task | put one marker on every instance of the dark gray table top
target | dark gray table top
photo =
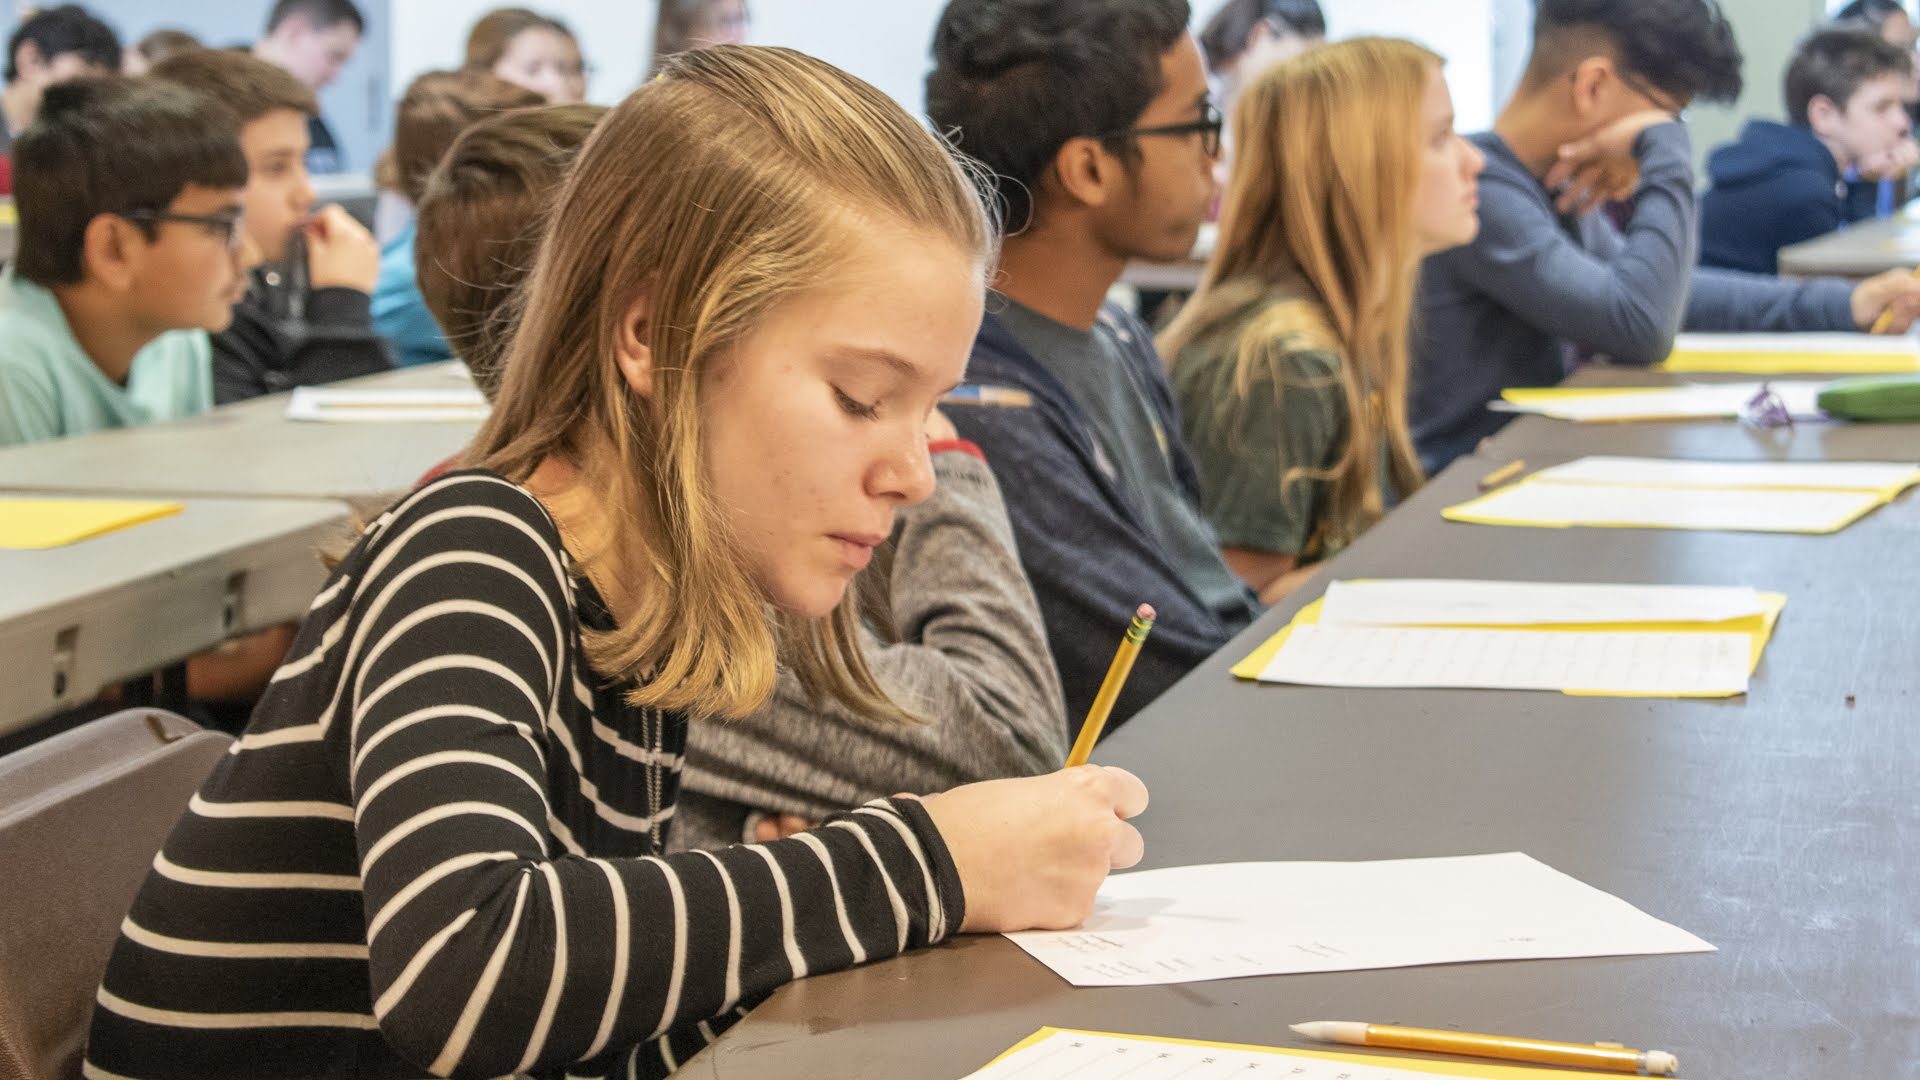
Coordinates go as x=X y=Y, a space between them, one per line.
x=1859 y=250
x=1777 y=826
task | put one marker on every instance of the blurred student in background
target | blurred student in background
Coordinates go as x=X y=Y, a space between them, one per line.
x=529 y=49
x=685 y=25
x=313 y=40
x=139 y=58
x=49 y=47
x=1245 y=37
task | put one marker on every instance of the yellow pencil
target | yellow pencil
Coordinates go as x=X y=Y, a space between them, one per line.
x=1502 y=474
x=1886 y=317
x=1096 y=721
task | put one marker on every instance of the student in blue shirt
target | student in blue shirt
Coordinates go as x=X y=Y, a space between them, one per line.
x=130 y=250
x=1780 y=184
x=436 y=108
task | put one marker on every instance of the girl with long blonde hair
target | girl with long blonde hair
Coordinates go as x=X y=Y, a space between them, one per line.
x=437 y=847
x=1290 y=361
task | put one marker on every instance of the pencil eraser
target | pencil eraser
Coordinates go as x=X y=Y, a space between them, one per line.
x=1146 y=612
x=1661 y=1063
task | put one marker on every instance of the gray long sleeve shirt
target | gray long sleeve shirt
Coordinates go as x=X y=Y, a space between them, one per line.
x=1536 y=288
x=972 y=659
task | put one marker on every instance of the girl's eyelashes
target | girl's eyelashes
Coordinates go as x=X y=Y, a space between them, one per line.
x=855 y=408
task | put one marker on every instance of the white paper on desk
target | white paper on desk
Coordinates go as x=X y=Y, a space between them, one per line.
x=1087 y=1055
x=1229 y=920
x=1817 y=343
x=1689 y=402
x=1756 y=510
x=390 y=406
x=1433 y=602
x=1665 y=472
x=1600 y=662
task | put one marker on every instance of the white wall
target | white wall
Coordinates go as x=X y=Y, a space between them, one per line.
x=885 y=42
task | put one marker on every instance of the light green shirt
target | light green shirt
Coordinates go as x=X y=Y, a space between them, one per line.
x=50 y=388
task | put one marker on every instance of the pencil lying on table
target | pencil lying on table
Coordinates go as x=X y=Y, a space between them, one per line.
x=1609 y=1056
x=1096 y=721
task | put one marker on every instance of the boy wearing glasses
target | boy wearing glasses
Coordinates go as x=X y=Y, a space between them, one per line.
x=131 y=248
x=1596 y=118
x=307 y=317
x=1094 y=114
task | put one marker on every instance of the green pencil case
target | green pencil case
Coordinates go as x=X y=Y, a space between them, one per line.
x=1873 y=397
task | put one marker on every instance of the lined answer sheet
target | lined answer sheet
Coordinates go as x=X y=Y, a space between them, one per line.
x=1620 y=505
x=1883 y=476
x=1227 y=920
x=1598 y=662
x=1436 y=602
x=1058 y=1054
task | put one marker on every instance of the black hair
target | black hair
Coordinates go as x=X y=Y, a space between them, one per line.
x=110 y=145
x=1225 y=36
x=1013 y=80
x=1834 y=64
x=1870 y=13
x=320 y=14
x=58 y=31
x=1684 y=48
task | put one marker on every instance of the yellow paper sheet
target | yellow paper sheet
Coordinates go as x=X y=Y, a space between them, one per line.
x=1788 y=363
x=1758 y=627
x=1437 y=1067
x=1549 y=505
x=33 y=524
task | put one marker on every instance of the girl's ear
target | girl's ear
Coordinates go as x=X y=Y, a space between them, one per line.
x=631 y=350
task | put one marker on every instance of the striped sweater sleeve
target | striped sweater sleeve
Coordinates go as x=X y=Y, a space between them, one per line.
x=494 y=946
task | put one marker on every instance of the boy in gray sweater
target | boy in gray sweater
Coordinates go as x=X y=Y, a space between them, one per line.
x=1548 y=279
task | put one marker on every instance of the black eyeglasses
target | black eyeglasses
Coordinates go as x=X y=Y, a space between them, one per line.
x=224 y=226
x=1208 y=127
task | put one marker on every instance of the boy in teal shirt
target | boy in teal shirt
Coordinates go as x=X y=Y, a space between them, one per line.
x=130 y=251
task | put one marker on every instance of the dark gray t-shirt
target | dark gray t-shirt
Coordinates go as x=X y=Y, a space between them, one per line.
x=1130 y=443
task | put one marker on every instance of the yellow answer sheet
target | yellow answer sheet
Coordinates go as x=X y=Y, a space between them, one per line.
x=1483 y=1070
x=1758 y=627
x=35 y=524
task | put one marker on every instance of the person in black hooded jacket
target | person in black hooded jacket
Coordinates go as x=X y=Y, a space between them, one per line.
x=1780 y=184
x=305 y=319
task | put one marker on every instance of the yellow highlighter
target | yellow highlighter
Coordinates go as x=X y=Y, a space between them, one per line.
x=1610 y=1056
x=1096 y=721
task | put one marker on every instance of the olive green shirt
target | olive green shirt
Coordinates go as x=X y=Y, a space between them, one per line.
x=1245 y=446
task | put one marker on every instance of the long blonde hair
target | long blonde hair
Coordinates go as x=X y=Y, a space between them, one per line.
x=1327 y=160
x=733 y=182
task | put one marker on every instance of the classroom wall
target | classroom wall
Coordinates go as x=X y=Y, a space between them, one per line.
x=1767 y=31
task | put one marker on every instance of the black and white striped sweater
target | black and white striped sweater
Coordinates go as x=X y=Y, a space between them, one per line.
x=436 y=848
